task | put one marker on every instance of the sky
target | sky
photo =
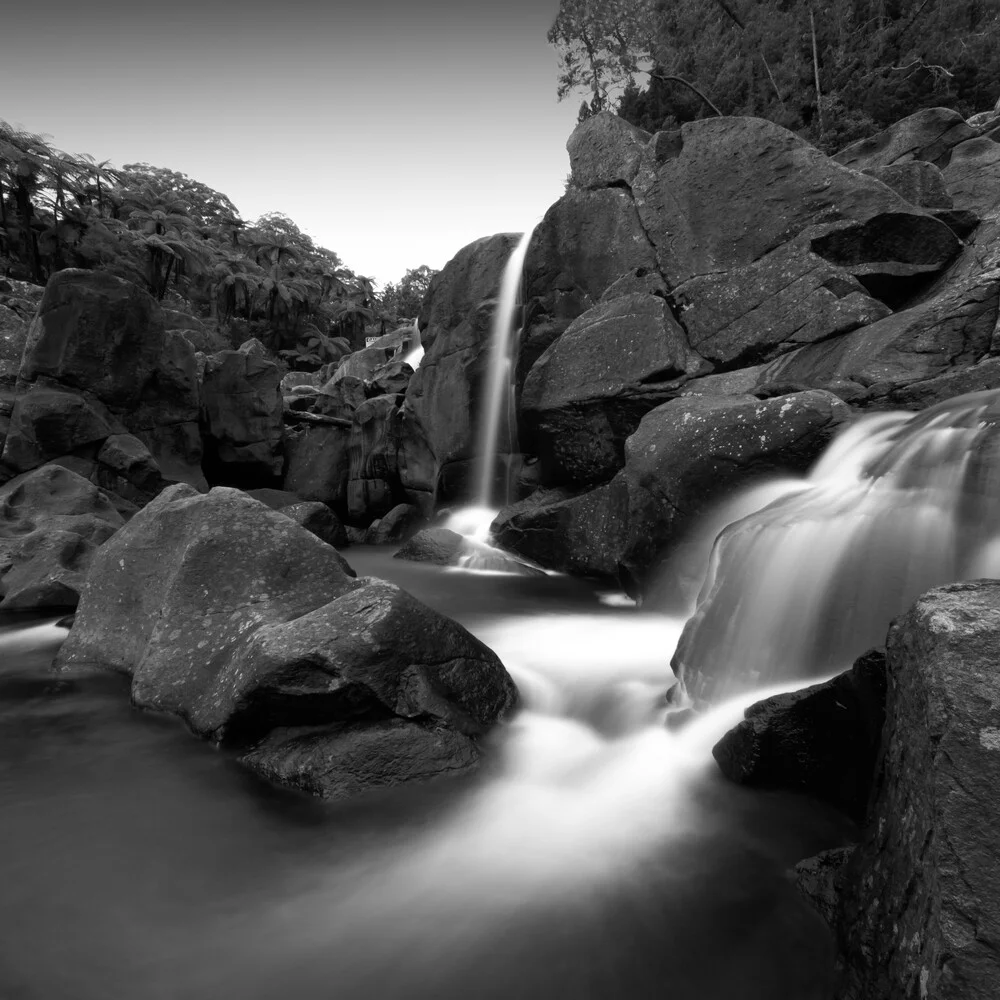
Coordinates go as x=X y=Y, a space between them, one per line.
x=391 y=132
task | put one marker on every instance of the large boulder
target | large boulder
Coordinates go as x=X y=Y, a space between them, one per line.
x=723 y=192
x=930 y=135
x=242 y=416
x=97 y=351
x=920 y=905
x=583 y=534
x=244 y=623
x=319 y=519
x=973 y=176
x=588 y=391
x=820 y=740
x=52 y=522
x=318 y=462
x=691 y=453
x=605 y=151
x=373 y=484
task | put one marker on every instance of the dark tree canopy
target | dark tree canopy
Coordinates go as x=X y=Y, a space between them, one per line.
x=877 y=60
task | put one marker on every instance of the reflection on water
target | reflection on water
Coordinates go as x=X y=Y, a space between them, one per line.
x=596 y=855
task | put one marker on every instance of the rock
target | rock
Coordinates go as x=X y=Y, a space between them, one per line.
x=52 y=522
x=947 y=331
x=399 y=524
x=361 y=364
x=921 y=395
x=929 y=135
x=589 y=390
x=295 y=380
x=739 y=382
x=605 y=151
x=723 y=192
x=921 y=900
x=437 y=426
x=579 y=534
x=319 y=519
x=241 y=416
x=439 y=546
x=95 y=333
x=49 y=422
x=345 y=759
x=973 y=176
x=373 y=483
x=13 y=337
x=275 y=499
x=242 y=622
x=689 y=454
x=789 y=297
x=201 y=335
x=318 y=464
x=820 y=879
x=126 y=467
x=821 y=740
x=340 y=398
x=919 y=182
x=390 y=379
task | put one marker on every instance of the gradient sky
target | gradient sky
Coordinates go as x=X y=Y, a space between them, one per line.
x=392 y=133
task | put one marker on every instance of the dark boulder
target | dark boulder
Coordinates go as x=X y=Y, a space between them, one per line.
x=318 y=463
x=438 y=546
x=319 y=519
x=920 y=903
x=52 y=522
x=241 y=416
x=373 y=483
x=919 y=182
x=973 y=176
x=399 y=524
x=589 y=390
x=821 y=740
x=242 y=622
x=605 y=151
x=691 y=453
x=930 y=134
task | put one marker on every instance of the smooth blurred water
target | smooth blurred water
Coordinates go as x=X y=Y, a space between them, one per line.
x=596 y=855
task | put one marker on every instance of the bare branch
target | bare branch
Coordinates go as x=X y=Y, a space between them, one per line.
x=686 y=83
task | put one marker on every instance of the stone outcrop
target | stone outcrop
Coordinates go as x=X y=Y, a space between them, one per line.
x=241 y=414
x=98 y=361
x=919 y=906
x=589 y=389
x=319 y=519
x=691 y=453
x=821 y=740
x=52 y=522
x=438 y=422
x=250 y=628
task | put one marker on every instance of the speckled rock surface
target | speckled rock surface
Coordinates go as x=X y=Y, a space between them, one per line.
x=921 y=903
x=691 y=453
x=52 y=522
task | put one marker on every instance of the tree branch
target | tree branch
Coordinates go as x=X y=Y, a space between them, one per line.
x=690 y=86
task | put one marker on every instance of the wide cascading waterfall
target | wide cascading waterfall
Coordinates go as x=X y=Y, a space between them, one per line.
x=497 y=416
x=900 y=503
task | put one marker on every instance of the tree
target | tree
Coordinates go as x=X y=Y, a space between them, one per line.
x=832 y=72
x=403 y=299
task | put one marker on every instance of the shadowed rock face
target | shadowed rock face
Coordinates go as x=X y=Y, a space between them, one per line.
x=52 y=522
x=241 y=621
x=920 y=910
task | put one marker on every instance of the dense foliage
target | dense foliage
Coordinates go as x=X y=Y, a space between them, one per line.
x=186 y=244
x=659 y=62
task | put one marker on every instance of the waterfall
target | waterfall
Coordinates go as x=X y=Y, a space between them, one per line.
x=898 y=504
x=499 y=397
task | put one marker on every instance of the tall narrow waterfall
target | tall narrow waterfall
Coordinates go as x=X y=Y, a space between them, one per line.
x=900 y=503
x=497 y=415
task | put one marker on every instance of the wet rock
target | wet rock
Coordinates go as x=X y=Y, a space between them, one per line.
x=373 y=481
x=439 y=546
x=820 y=879
x=399 y=524
x=52 y=522
x=241 y=416
x=605 y=151
x=392 y=378
x=821 y=740
x=339 y=761
x=588 y=391
x=242 y=622
x=319 y=519
x=921 y=900
x=920 y=395
x=361 y=364
x=689 y=454
x=580 y=534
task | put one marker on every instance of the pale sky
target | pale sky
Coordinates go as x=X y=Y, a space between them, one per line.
x=392 y=133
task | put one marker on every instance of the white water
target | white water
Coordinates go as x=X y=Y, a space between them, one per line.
x=898 y=504
x=416 y=353
x=497 y=414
